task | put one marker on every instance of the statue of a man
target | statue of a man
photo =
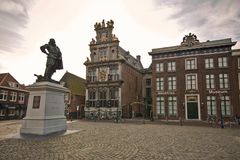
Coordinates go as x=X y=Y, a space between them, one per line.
x=54 y=58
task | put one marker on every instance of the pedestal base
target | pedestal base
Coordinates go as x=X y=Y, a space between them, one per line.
x=45 y=112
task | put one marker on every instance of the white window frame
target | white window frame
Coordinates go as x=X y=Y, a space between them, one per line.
x=4 y=94
x=211 y=105
x=160 y=84
x=222 y=62
x=186 y=81
x=210 y=81
x=238 y=62
x=172 y=83
x=159 y=67
x=225 y=106
x=21 y=97
x=171 y=66
x=160 y=105
x=223 y=81
x=172 y=105
x=239 y=80
x=13 y=97
x=190 y=65
x=209 y=63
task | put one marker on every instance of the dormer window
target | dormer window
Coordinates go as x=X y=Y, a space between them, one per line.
x=13 y=84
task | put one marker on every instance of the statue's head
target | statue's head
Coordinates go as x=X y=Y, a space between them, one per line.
x=51 y=41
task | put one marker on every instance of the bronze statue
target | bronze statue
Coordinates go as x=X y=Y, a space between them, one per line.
x=54 y=60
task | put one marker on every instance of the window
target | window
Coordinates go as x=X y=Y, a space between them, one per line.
x=148 y=82
x=103 y=54
x=209 y=63
x=238 y=63
x=191 y=63
x=2 y=112
x=239 y=80
x=160 y=84
x=211 y=105
x=223 y=81
x=222 y=62
x=160 y=105
x=113 y=93
x=3 y=95
x=210 y=81
x=148 y=92
x=102 y=93
x=171 y=66
x=225 y=106
x=21 y=97
x=172 y=105
x=92 y=94
x=172 y=83
x=91 y=98
x=113 y=74
x=159 y=67
x=92 y=75
x=191 y=81
x=11 y=112
x=13 y=96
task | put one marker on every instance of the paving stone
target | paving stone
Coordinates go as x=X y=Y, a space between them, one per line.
x=98 y=141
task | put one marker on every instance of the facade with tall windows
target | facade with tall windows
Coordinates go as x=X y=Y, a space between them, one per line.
x=113 y=75
x=195 y=80
x=13 y=97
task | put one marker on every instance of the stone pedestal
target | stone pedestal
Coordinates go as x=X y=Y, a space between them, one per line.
x=45 y=111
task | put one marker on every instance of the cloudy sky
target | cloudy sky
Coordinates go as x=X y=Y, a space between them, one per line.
x=140 y=25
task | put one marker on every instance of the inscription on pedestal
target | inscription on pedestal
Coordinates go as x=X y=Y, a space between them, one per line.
x=36 y=102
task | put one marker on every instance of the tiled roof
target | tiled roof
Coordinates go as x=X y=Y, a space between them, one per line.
x=74 y=83
x=2 y=77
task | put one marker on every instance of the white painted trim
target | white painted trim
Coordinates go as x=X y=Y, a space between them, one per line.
x=199 y=106
x=186 y=80
x=191 y=55
x=191 y=58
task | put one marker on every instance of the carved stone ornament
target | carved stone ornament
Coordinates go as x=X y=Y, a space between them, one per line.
x=102 y=74
x=189 y=40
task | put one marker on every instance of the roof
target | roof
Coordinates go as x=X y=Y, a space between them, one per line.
x=236 y=52
x=136 y=63
x=5 y=78
x=207 y=44
x=74 y=83
x=147 y=70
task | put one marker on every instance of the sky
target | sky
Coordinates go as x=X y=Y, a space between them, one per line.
x=140 y=25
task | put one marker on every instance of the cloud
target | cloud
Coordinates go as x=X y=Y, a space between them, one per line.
x=13 y=18
x=211 y=19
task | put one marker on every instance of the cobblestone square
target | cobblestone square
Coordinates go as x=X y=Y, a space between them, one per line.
x=106 y=140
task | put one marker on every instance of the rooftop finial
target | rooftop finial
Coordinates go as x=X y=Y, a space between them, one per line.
x=189 y=40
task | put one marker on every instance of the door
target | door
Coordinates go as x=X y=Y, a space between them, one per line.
x=192 y=110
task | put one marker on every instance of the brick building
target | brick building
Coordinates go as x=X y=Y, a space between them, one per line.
x=196 y=79
x=76 y=96
x=114 y=77
x=13 y=97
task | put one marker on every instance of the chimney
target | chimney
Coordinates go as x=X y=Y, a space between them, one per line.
x=139 y=58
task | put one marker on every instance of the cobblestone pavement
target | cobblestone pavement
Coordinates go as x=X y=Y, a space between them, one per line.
x=105 y=140
x=9 y=128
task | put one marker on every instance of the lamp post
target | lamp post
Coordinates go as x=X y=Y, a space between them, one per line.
x=117 y=113
x=77 y=111
x=221 y=117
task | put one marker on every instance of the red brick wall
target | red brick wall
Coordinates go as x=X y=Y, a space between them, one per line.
x=180 y=73
x=131 y=90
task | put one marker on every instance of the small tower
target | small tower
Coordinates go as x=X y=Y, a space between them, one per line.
x=104 y=32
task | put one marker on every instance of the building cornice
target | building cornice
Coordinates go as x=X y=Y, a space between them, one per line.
x=15 y=89
x=203 y=45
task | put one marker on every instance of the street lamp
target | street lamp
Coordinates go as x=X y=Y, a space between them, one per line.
x=221 y=117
